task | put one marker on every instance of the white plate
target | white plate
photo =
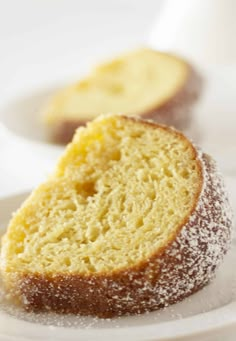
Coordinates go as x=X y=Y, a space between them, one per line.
x=22 y=115
x=209 y=314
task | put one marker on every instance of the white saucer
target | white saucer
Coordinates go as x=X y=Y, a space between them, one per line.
x=209 y=314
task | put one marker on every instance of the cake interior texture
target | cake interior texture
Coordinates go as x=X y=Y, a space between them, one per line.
x=120 y=191
x=131 y=84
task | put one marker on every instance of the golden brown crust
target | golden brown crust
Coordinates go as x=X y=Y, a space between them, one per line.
x=175 y=112
x=184 y=266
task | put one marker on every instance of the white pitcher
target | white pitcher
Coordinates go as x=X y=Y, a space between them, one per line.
x=203 y=31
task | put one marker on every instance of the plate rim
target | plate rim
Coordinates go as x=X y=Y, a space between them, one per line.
x=206 y=324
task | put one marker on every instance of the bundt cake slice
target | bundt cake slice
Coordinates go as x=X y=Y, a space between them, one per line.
x=134 y=218
x=145 y=82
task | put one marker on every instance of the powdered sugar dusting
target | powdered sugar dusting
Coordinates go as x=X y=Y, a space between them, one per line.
x=215 y=295
x=187 y=265
x=206 y=237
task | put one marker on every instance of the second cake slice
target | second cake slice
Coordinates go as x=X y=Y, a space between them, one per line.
x=145 y=82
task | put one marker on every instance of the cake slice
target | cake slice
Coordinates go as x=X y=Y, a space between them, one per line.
x=134 y=218
x=144 y=82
